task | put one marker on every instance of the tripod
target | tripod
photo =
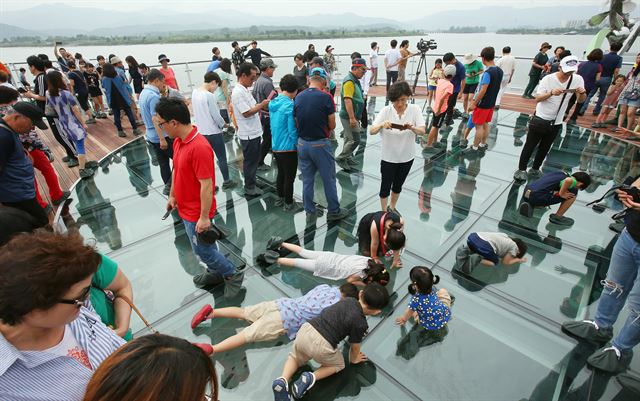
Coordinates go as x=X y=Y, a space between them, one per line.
x=422 y=63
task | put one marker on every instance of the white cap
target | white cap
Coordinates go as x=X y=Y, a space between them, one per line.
x=569 y=64
x=449 y=70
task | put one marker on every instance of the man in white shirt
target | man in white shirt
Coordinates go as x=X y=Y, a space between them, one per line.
x=507 y=64
x=552 y=99
x=249 y=127
x=391 y=59
x=373 y=62
x=210 y=123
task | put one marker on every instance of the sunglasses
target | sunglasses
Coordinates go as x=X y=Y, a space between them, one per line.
x=81 y=299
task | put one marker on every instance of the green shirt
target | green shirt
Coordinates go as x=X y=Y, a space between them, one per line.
x=473 y=68
x=101 y=303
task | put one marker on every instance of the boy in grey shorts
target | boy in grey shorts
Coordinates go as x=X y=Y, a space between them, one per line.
x=318 y=339
x=271 y=319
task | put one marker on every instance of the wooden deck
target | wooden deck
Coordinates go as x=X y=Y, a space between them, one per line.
x=103 y=138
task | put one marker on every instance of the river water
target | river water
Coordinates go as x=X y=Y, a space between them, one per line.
x=524 y=46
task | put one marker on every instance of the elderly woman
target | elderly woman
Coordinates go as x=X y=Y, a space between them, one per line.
x=47 y=334
x=398 y=125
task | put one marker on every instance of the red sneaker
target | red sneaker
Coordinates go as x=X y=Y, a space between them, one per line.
x=201 y=316
x=206 y=348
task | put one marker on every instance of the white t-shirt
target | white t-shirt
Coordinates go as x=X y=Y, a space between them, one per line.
x=501 y=243
x=335 y=266
x=399 y=146
x=70 y=347
x=373 y=57
x=392 y=56
x=550 y=109
x=243 y=101
x=507 y=64
x=206 y=113
x=364 y=82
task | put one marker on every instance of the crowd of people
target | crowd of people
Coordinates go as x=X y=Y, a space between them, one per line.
x=65 y=309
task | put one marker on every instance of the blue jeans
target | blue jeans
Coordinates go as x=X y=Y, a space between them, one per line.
x=618 y=288
x=208 y=254
x=603 y=86
x=128 y=112
x=217 y=144
x=316 y=156
x=251 y=154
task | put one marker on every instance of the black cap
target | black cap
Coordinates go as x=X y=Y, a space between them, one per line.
x=32 y=112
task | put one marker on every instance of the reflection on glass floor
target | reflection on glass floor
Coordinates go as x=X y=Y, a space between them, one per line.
x=504 y=342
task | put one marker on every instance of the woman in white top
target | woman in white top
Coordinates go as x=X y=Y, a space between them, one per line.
x=356 y=269
x=398 y=124
x=223 y=92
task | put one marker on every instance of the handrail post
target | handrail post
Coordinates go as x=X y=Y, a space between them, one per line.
x=188 y=71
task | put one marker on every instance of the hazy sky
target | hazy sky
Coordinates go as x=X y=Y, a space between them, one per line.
x=410 y=9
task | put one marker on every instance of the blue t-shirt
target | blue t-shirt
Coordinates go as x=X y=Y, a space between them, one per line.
x=312 y=109
x=297 y=311
x=588 y=71
x=149 y=98
x=492 y=77
x=16 y=171
x=432 y=313
x=461 y=74
x=610 y=62
x=214 y=65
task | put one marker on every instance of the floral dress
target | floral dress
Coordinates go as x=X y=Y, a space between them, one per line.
x=432 y=313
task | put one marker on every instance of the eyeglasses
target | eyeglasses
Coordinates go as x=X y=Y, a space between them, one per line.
x=80 y=301
x=162 y=123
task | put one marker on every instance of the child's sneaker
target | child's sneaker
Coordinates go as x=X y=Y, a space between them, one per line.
x=526 y=209
x=560 y=220
x=280 y=390
x=303 y=384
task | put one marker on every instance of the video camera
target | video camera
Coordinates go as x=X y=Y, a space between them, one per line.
x=426 y=45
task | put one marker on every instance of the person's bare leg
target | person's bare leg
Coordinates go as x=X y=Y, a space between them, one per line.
x=564 y=206
x=289 y=262
x=289 y=369
x=232 y=312
x=324 y=372
x=631 y=118
x=292 y=247
x=477 y=139
x=233 y=342
x=467 y=131
x=433 y=135
x=622 y=115
x=82 y=159
x=485 y=135
x=383 y=204
x=394 y=199
x=465 y=102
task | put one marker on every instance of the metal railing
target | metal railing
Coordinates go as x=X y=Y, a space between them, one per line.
x=186 y=71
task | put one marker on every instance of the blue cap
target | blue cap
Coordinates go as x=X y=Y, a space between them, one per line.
x=319 y=72
x=359 y=62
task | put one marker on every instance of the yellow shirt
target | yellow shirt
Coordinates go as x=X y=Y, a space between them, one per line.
x=348 y=89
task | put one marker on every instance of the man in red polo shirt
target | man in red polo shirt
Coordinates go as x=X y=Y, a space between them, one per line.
x=192 y=188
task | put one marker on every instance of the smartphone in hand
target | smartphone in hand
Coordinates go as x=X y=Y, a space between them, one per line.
x=399 y=126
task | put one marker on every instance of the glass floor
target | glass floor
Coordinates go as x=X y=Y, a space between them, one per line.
x=504 y=341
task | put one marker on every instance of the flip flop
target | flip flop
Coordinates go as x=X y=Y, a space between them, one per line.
x=201 y=316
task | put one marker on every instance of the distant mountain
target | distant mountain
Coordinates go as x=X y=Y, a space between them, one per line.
x=10 y=31
x=63 y=19
x=500 y=17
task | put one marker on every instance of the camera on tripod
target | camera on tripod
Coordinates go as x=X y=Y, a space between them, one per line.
x=426 y=45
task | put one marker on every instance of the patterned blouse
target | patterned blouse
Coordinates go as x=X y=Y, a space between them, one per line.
x=432 y=313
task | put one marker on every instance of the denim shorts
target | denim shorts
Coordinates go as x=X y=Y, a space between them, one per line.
x=630 y=103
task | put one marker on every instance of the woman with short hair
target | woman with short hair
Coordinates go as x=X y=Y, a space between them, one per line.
x=50 y=342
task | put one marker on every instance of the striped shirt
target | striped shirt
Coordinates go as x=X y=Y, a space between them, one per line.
x=40 y=375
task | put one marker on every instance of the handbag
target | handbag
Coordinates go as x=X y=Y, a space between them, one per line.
x=634 y=93
x=135 y=309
